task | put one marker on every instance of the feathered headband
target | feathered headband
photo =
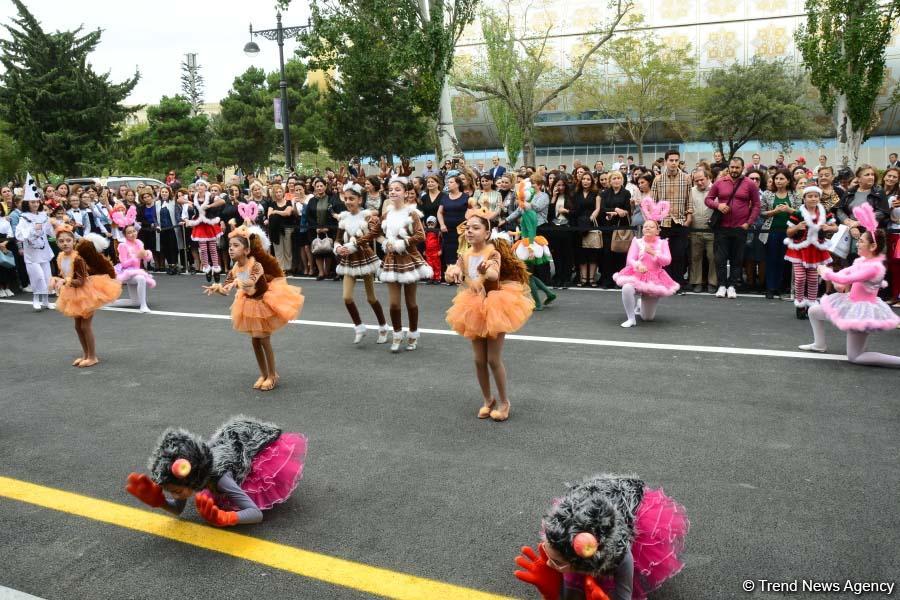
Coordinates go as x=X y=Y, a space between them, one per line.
x=248 y=211
x=123 y=220
x=655 y=211
x=477 y=212
x=866 y=217
x=354 y=187
x=63 y=228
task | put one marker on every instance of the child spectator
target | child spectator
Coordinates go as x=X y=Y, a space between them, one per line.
x=433 y=249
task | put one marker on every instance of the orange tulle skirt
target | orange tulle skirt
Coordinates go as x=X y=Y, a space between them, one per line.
x=97 y=291
x=478 y=315
x=260 y=317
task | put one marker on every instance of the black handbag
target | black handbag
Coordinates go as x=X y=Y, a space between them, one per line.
x=715 y=219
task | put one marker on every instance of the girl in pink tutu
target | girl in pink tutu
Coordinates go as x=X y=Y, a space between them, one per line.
x=610 y=536
x=131 y=256
x=644 y=273
x=494 y=301
x=859 y=311
x=246 y=467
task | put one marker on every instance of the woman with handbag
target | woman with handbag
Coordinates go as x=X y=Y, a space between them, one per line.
x=586 y=210
x=281 y=218
x=615 y=208
x=320 y=217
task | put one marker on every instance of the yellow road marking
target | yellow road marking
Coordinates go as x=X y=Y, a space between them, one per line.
x=336 y=571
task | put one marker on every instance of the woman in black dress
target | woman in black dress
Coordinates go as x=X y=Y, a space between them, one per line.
x=615 y=206
x=586 y=211
x=450 y=215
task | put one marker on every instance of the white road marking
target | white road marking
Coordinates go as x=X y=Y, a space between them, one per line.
x=526 y=338
x=11 y=594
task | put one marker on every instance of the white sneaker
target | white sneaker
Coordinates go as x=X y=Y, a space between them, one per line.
x=812 y=348
x=27 y=289
x=720 y=293
x=629 y=323
x=382 y=335
x=732 y=293
x=360 y=333
x=5 y=293
x=49 y=306
x=37 y=306
x=145 y=309
x=396 y=340
x=412 y=339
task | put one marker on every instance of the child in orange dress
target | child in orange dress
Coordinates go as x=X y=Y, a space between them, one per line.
x=494 y=302
x=87 y=281
x=264 y=302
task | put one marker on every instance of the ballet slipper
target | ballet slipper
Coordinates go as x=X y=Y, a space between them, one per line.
x=500 y=414
x=485 y=411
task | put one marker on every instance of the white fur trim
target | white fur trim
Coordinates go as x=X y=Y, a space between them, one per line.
x=99 y=242
x=812 y=231
x=805 y=303
x=369 y=269
x=798 y=261
x=412 y=335
x=263 y=238
x=398 y=246
x=422 y=272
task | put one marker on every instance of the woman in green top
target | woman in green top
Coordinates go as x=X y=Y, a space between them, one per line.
x=777 y=207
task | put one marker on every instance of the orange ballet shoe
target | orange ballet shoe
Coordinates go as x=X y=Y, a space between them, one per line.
x=500 y=414
x=485 y=411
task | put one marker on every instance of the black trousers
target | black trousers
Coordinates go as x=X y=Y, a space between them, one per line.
x=679 y=242
x=729 y=246
x=168 y=245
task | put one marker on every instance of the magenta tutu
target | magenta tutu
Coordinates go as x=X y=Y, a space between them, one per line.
x=859 y=315
x=275 y=472
x=652 y=283
x=661 y=525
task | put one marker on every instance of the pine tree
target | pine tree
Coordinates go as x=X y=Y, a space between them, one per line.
x=60 y=111
x=244 y=133
x=174 y=137
x=192 y=83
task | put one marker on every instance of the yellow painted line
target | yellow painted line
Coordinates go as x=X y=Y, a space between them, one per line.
x=336 y=571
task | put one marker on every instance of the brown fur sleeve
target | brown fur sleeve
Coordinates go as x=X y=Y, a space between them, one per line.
x=418 y=232
x=97 y=264
x=268 y=262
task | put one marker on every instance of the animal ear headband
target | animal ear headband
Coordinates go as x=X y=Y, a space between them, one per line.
x=355 y=188
x=181 y=468
x=248 y=211
x=123 y=221
x=866 y=217
x=656 y=211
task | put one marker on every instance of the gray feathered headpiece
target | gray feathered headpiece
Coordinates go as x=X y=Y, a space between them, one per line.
x=175 y=444
x=604 y=506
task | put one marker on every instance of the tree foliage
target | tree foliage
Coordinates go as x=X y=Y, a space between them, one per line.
x=843 y=44
x=761 y=101
x=12 y=163
x=192 y=83
x=244 y=133
x=61 y=112
x=304 y=109
x=500 y=47
x=174 y=139
x=656 y=85
x=535 y=81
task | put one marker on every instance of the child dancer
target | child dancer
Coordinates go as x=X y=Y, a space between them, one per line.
x=808 y=248
x=131 y=255
x=264 y=302
x=246 y=467
x=494 y=302
x=644 y=271
x=87 y=281
x=532 y=248
x=611 y=528
x=356 y=258
x=860 y=311
x=403 y=266
x=207 y=230
x=433 y=248
x=33 y=234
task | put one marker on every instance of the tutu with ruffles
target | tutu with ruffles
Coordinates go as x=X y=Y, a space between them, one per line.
x=204 y=232
x=810 y=256
x=97 y=291
x=260 y=317
x=274 y=473
x=858 y=315
x=655 y=282
x=478 y=315
x=131 y=274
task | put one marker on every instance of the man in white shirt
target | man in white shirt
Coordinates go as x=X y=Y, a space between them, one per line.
x=702 y=241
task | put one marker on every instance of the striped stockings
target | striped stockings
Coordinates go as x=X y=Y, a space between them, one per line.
x=806 y=285
x=209 y=252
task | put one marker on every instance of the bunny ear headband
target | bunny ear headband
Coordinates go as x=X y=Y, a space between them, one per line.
x=248 y=211
x=353 y=187
x=655 y=211
x=866 y=217
x=123 y=221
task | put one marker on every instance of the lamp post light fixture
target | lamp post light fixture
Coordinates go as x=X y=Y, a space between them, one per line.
x=251 y=49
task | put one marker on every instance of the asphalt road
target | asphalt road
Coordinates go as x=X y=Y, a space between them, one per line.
x=788 y=467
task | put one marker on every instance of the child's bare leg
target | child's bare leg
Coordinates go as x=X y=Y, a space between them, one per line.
x=495 y=361
x=479 y=347
x=81 y=341
x=260 y=355
x=91 y=346
x=272 y=376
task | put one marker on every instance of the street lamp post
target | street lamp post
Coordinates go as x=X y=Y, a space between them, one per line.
x=252 y=49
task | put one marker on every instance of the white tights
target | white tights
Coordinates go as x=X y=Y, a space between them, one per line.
x=856 y=343
x=137 y=295
x=648 y=304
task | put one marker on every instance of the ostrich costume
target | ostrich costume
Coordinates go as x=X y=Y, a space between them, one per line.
x=248 y=465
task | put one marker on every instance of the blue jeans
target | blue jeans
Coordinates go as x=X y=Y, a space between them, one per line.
x=775 y=250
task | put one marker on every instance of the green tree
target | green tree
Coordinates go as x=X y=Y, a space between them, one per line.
x=304 y=108
x=656 y=86
x=761 y=101
x=174 y=139
x=12 y=162
x=62 y=113
x=192 y=83
x=244 y=134
x=415 y=41
x=843 y=46
x=536 y=81
x=501 y=59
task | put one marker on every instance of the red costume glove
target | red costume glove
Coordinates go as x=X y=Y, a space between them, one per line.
x=546 y=579
x=213 y=515
x=592 y=590
x=144 y=489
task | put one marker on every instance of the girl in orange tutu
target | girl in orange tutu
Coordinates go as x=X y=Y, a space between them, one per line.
x=494 y=302
x=264 y=302
x=87 y=281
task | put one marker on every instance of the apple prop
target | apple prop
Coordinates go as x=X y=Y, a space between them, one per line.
x=181 y=468
x=585 y=545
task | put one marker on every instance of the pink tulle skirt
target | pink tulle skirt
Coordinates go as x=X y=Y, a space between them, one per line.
x=504 y=310
x=652 y=283
x=275 y=472
x=849 y=315
x=661 y=525
x=126 y=275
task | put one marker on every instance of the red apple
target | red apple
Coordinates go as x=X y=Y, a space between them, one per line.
x=181 y=468
x=585 y=544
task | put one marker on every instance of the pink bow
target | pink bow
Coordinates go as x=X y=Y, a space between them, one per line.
x=248 y=211
x=655 y=211
x=866 y=217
